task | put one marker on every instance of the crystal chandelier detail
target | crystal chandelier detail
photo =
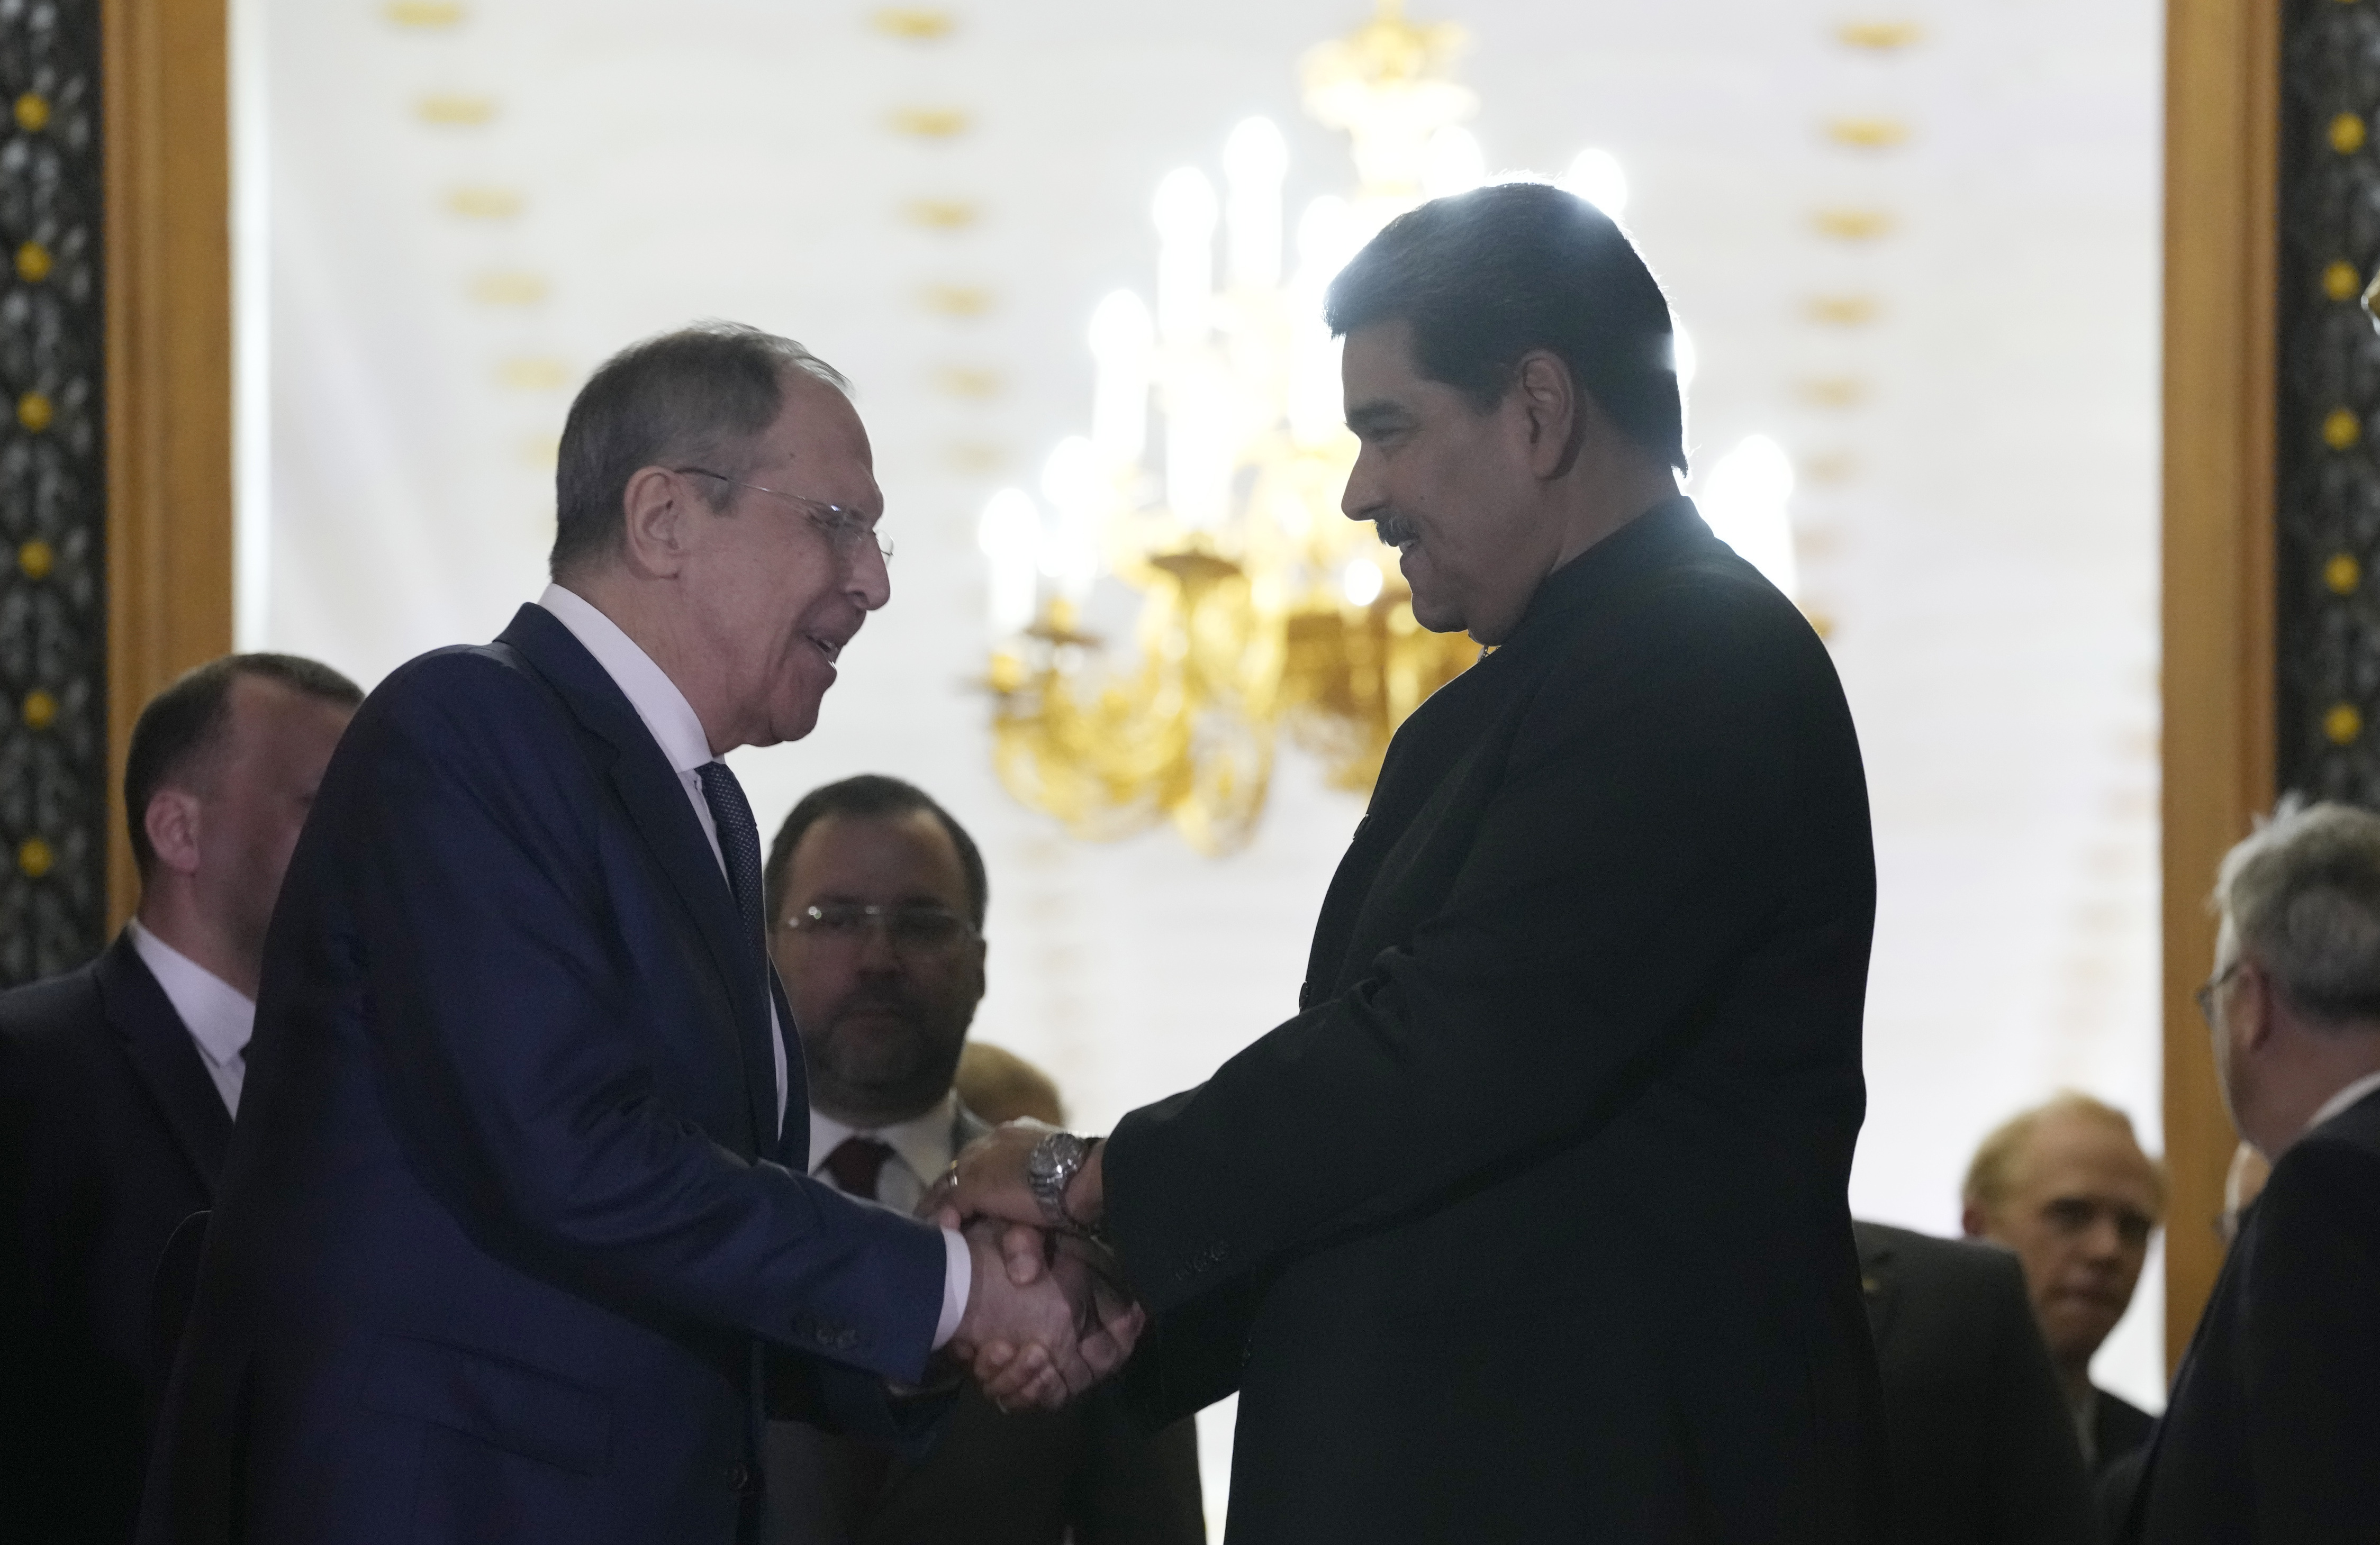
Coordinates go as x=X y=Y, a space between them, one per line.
x=1209 y=486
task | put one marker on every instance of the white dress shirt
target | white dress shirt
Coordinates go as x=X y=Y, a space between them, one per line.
x=677 y=729
x=219 y=1017
x=2347 y=1096
x=921 y=1151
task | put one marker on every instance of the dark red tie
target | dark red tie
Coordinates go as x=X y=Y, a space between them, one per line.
x=854 y=1163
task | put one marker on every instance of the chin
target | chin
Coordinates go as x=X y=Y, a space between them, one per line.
x=1436 y=613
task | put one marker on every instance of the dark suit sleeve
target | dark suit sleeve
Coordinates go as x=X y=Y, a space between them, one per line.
x=1134 y=1487
x=1619 y=875
x=2313 y=1347
x=491 y=1005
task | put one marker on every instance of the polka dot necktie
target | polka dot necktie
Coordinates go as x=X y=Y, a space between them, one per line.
x=739 y=844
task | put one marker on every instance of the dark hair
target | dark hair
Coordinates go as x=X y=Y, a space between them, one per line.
x=695 y=396
x=870 y=795
x=184 y=726
x=1486 y=277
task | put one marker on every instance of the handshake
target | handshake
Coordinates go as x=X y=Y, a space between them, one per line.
x=1048 y=1316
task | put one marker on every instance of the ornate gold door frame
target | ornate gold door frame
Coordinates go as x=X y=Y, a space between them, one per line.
x=2222 y=125
x=167 y=140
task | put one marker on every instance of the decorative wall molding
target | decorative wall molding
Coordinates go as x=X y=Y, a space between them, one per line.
x=2327 y=440
x=53 y=549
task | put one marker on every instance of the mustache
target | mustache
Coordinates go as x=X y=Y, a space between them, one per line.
x=878 y=998
x=1395 y=530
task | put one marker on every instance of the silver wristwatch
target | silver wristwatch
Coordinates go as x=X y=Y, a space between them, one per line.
x=1051 y=1168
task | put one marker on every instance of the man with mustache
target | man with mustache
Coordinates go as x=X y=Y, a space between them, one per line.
x=1530 y=1223
x=506 y=1246
x=877 y=896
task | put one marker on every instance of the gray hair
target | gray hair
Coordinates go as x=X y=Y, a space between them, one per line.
x=697 y=396
x=2301 y=894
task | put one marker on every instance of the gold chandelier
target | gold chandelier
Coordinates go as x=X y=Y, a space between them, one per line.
x=1261 y=611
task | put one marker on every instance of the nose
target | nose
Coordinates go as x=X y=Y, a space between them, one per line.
x=876 y=955
x=870 y=581
x=1363 y=498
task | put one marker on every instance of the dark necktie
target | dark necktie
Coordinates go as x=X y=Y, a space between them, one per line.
x=856 y=1164
x=739 y=844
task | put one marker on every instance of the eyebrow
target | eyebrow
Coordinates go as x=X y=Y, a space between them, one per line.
x=1380 y=412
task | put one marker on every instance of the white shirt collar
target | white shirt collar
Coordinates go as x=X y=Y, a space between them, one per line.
x=2347 y=1096
x=219 y=1017
x=668 y=717
x=922 y=1142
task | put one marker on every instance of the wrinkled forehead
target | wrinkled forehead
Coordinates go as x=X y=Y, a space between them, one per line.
x=818 y=441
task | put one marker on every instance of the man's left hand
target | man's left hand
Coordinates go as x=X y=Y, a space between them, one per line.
x=988 y=1181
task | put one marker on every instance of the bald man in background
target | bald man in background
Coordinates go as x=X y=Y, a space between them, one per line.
x=2066 y=1186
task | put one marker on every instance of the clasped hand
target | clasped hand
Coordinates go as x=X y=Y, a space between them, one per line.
x=1048 y=1316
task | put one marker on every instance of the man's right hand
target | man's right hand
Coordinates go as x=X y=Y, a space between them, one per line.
x=1040 y=1332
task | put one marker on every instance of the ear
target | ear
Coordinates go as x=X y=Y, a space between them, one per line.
x=172 y=825
x=656 y=507
x=2255 y=1011
x=1971 y=1222
x=1553 y=411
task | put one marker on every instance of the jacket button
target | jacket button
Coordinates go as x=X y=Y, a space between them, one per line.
x=740 y=1478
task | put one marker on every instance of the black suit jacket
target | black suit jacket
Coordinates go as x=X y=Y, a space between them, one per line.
x=1983 y=1446
x=2273 y=1435
x=2118 y=1428
x=502 y=1252
x=1087 y=1475
x=1532 y=1224
x=111 y=1133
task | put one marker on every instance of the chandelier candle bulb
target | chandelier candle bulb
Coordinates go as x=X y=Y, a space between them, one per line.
x=1073 y=483
x=1010 y=536
x=1597 y=178
x=1185 y=215
x=1123 y=337
x=1452 y=163
x=1255 y=160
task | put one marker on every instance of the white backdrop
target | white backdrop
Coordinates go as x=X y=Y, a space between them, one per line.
x=450 y=212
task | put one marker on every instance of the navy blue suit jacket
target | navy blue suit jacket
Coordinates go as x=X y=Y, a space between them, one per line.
x=502 y=1250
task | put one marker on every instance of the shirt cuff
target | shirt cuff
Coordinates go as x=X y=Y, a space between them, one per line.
x=958 y=1277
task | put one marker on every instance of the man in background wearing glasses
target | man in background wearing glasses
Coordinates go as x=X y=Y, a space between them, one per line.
x=508 y=1246
x=877 y=899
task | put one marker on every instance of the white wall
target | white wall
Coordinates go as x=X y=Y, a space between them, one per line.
x=1985 y=554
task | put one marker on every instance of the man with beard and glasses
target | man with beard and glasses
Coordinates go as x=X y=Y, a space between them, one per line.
x=1530 y=1223
x=876 y=901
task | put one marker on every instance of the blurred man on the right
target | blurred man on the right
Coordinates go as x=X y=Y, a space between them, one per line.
x=2065 y=1187
x=2272 y=1434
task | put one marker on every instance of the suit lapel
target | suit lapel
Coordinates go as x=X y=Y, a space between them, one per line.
x=656 y=804
x=1881 y=1291
x=167 y=1061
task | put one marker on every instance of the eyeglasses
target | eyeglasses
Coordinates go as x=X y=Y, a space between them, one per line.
x=2204 y=996
x=909 y=925
x=844 y=527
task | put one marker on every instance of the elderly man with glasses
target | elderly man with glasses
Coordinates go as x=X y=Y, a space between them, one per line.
x=877 y=897
x=507 y=1245
x=2272 y=1433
